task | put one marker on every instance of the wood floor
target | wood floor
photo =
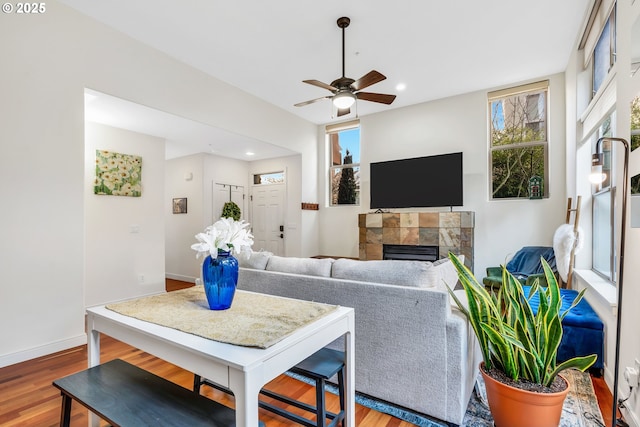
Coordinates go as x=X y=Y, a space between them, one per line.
x=27 y=397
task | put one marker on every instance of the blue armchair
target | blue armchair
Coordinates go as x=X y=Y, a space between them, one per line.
x=525 y=266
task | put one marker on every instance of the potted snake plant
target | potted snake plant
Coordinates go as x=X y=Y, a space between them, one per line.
x=519 y=347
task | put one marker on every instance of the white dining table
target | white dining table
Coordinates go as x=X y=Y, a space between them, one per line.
x=244 y=370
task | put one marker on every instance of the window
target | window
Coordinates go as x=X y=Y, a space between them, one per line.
x=604 y=210
x=518 y=140
x=344 y=163
x=604 y=53
x=635 y=123
x=268 y=178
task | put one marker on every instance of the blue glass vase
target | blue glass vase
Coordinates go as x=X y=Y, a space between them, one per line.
x=220 y=277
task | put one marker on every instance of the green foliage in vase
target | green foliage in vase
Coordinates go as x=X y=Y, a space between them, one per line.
x=511 y=337
x=231 y=210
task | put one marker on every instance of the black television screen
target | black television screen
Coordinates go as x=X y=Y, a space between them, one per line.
x=431 y=181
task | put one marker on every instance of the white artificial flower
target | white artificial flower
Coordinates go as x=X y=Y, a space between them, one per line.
x=226 y=235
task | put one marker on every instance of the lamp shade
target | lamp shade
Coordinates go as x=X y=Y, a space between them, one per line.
x=597 y=176
x=344 y=100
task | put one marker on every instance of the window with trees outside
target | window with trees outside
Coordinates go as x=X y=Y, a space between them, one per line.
x=518 y=140
x=344 y=166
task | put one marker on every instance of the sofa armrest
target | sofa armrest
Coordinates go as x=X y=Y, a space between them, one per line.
x=543 y=280
x=494 y=271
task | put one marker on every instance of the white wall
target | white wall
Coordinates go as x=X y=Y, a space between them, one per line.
x=449 y=125
x=180 y=259
x=116 y=257
x=48 y=61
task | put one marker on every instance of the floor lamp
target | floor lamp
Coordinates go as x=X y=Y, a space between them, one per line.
x=597 y=177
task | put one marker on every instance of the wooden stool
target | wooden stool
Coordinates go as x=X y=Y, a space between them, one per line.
x=319 y=367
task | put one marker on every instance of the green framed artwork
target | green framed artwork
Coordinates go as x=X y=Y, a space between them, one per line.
x=118 y=174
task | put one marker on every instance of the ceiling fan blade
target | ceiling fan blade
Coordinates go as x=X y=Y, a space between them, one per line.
x=320 y=84
x=376 y=97
x=311 y=101
x=372 y=77
x=343 y=111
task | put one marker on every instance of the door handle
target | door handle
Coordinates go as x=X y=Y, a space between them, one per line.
x=281 y=235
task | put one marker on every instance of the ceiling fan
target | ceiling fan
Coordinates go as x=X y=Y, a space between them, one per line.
x=346 y=90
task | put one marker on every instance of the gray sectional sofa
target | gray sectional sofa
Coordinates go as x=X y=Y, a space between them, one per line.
x=412 y=348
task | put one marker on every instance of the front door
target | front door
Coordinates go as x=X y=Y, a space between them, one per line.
x=267 y=219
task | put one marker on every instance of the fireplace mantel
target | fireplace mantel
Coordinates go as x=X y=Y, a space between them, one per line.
x=450 y=231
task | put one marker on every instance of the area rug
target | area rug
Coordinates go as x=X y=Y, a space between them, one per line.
x=580 y=408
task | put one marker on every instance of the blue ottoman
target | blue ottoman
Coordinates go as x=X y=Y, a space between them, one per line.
x=582 y=329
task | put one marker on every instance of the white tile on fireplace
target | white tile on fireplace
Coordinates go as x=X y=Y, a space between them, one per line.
x=374 y=220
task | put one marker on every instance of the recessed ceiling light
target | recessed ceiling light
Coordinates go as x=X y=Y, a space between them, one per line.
x=250 y=153
x=401 y=86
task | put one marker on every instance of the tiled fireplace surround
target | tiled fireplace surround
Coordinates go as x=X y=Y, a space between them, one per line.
x=450 y=231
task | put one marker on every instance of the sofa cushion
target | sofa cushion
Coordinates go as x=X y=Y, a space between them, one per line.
x=445 y=273
x=308 y=266
x=403 y=273
x=255 y=260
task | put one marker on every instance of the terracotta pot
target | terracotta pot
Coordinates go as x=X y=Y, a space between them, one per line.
x=513 y=407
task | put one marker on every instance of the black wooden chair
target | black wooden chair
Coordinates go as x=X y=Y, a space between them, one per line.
x=319 y=367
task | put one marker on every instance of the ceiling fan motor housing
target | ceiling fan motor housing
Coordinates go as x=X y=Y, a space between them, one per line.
x=342 y=83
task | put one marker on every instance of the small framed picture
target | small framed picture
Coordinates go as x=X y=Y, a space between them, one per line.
x=180 y=205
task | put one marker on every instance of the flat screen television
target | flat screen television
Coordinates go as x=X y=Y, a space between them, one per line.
x=432 y=181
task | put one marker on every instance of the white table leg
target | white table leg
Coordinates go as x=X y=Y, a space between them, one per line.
x=246 y=391
x=93 y=358
x=350 y=390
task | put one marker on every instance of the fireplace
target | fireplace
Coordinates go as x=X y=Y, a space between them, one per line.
x=447 y=231
x=410 y=252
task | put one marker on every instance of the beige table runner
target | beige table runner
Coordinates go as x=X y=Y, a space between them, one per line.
x=254 y=320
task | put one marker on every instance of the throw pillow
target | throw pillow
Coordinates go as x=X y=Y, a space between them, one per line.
x=307 y=266
x=256 y=260
x=445 y=273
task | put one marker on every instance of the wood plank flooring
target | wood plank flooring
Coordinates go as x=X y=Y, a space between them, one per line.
x=27 y=397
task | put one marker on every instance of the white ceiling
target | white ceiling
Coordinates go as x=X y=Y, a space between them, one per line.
x=183 y=137
x=437 y=49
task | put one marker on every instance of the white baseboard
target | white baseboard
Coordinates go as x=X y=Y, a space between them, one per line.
x=180 y=277
x=629 y=416
x=32 y=353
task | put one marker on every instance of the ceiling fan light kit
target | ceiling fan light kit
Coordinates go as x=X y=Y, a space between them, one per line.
x=346 y=90
x=344 y=99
